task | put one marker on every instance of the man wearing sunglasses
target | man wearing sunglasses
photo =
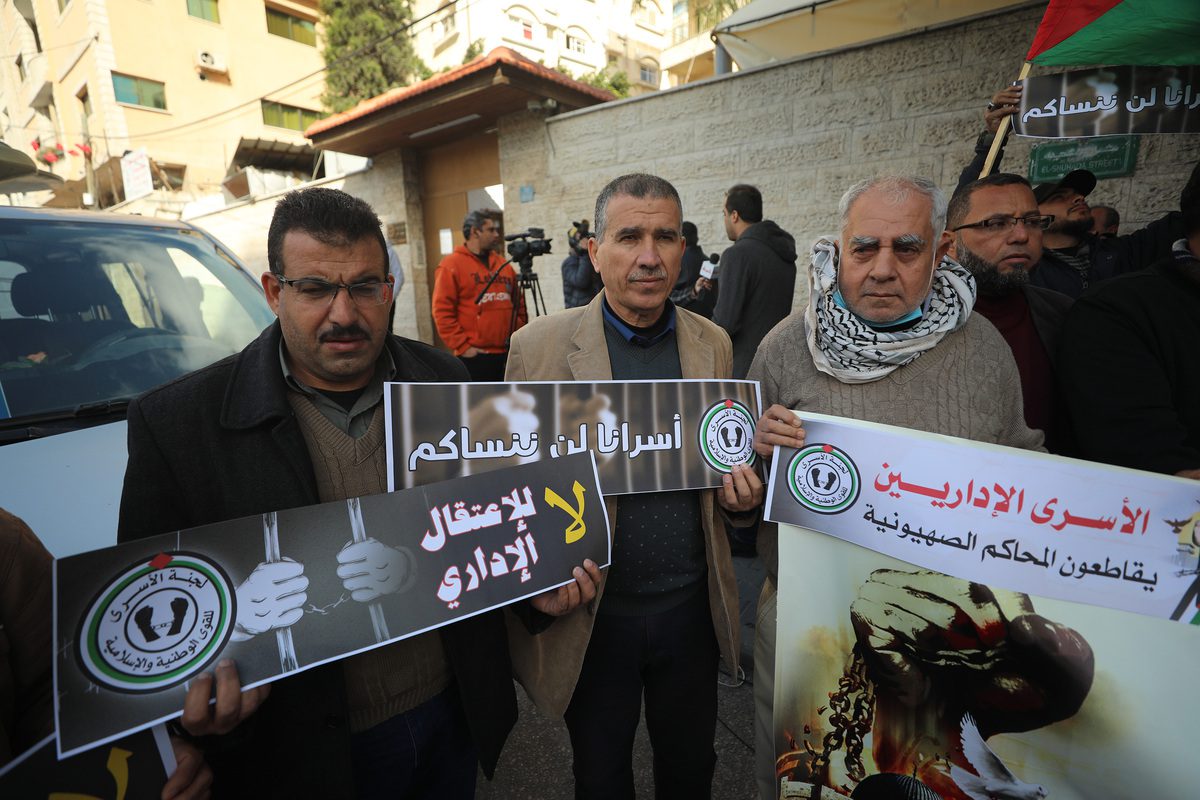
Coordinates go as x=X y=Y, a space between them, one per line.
x=293 y=420
x=998 y=232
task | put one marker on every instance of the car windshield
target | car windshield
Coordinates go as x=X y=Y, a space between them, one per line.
x=100 y=312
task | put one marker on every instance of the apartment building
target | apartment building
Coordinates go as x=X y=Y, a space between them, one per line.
x=207 y=88
x=578 y=37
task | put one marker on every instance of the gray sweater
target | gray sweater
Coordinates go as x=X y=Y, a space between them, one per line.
x=966 y=386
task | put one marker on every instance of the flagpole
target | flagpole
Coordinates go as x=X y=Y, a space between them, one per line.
x=998 y=142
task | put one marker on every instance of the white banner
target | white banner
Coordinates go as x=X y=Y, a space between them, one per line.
x=1030 y=522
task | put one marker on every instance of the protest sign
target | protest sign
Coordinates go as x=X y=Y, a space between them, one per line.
x=885 y=669
x=953 y=612
x=134 y=768
x=289 y=590
x=1030 y=522
x=1106 y=101
x=648 y=436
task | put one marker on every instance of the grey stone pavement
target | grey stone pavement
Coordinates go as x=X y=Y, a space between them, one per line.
x=536 y=762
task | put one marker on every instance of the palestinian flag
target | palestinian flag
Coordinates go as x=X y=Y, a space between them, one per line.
x=1126 y=32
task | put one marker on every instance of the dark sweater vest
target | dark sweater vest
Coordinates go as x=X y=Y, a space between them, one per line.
x=397 y=677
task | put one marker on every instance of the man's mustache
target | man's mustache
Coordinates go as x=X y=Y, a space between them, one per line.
x=343 y=332
x=644 y=273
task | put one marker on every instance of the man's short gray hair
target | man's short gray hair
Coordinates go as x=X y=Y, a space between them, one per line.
x=898 y=189
x=639 y=185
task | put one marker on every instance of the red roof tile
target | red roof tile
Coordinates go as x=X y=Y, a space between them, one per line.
x=501 y=55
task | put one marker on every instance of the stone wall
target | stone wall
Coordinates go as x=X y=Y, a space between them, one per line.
x=803 y=131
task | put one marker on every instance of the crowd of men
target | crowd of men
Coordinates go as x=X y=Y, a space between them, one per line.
x=996 y=315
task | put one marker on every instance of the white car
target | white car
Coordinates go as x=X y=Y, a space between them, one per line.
x=95 y=309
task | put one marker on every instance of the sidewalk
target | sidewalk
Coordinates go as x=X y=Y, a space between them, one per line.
x=536 y=763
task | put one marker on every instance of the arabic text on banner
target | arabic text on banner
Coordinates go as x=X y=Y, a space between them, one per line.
x=137 y=767
x=896 y=674
x=1031 y=522
x=143 y=617
x=1106 y=101
x=648 y=436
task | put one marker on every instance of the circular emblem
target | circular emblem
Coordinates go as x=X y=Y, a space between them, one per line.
x=823 y=479
x=727 y=435
x=157 y=623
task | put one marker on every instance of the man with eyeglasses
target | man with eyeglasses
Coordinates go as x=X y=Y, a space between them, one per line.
x=998 y=234
x=476 y=319
x=293 y=420
x=888 y=336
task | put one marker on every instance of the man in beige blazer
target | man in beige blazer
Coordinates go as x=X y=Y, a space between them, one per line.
x=667 y=607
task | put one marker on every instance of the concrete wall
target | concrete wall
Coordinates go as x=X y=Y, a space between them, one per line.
x=803 y=131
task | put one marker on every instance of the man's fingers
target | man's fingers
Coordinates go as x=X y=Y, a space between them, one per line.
x=187 y=765
x=195 y=706
x=229 y=702
x=252 y=699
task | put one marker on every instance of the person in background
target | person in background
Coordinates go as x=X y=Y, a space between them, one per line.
x=580 y=280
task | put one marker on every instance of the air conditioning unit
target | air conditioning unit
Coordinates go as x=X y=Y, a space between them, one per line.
x=209 y=61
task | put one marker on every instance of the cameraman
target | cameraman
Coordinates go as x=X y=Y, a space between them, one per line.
x=477 y=328
x=580 y=280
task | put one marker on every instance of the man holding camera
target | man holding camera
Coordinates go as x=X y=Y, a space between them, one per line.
x=581 y=282
x=474 y=312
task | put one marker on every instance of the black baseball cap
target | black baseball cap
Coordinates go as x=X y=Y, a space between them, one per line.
x=1081 y=180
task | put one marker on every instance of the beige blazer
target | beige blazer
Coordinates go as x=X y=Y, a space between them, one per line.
x=570 y=346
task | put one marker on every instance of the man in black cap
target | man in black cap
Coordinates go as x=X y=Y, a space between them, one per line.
x=1073 y=258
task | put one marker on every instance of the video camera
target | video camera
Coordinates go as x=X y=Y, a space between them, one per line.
x=577 y=237
x=524 y=247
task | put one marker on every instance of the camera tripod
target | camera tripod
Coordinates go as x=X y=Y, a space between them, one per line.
x=526 y=282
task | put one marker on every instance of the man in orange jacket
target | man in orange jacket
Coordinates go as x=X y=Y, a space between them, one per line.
x=476 y=324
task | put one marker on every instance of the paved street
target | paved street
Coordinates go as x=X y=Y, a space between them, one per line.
x=536 y=764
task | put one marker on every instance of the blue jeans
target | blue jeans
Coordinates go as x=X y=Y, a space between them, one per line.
x=425 y=752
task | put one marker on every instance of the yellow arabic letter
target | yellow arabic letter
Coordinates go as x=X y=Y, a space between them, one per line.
x=576 y=529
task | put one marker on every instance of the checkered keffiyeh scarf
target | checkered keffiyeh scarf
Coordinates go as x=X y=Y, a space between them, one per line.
x=844 y=347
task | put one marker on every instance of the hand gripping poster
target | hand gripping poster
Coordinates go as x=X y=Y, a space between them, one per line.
x=1036 y=639
x=285 y=591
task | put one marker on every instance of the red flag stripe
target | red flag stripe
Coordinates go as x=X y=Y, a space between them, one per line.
x=1065 y=18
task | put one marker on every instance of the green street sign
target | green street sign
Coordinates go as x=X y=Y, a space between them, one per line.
x=1105 y=157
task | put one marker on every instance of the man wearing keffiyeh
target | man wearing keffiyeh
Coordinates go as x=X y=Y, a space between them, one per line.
x=888 y=336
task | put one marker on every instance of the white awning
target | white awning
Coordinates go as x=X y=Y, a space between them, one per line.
x=776 y=30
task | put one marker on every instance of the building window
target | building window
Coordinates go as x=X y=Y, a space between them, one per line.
x=649 y=74
x=139 y=91
x=679 y=22
x=576 y=44
x=85 y=111
x=291 y=117
x=204 y=9
x=289 y=27
x=524 y=27
x=448 y=22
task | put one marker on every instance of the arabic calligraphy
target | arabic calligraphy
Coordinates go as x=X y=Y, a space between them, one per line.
x=461 y=520
x=1011 y=550
x=1000 y=499
x=577 y=528
x=601 y=436
x=524 y=552
x=1172 y=97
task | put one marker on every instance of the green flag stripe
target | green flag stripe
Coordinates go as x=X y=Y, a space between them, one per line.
x=1146 y=32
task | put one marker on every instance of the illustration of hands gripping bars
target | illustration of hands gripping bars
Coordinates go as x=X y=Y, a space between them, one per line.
x=273 y=597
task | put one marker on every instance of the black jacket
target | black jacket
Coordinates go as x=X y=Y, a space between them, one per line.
x=1129 y=368
x=223 y=443
x=689 y=273
x=580 y=280
x=758 y=277
x=1109 y=257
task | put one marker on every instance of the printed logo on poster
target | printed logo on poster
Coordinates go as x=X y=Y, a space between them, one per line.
x=157 y=623
x=727 y=435
x=823 y=479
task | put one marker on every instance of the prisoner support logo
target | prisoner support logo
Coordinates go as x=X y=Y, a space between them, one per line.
x=157 y=623
x=823 y=479
x=727 y=435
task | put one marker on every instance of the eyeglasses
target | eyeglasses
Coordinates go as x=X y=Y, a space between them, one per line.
x=998 y=224
x=316 y=292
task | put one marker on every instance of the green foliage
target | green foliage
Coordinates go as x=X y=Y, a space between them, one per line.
x=367 y=50
x=613 y=80
x=709 y=13
x=474 y=49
